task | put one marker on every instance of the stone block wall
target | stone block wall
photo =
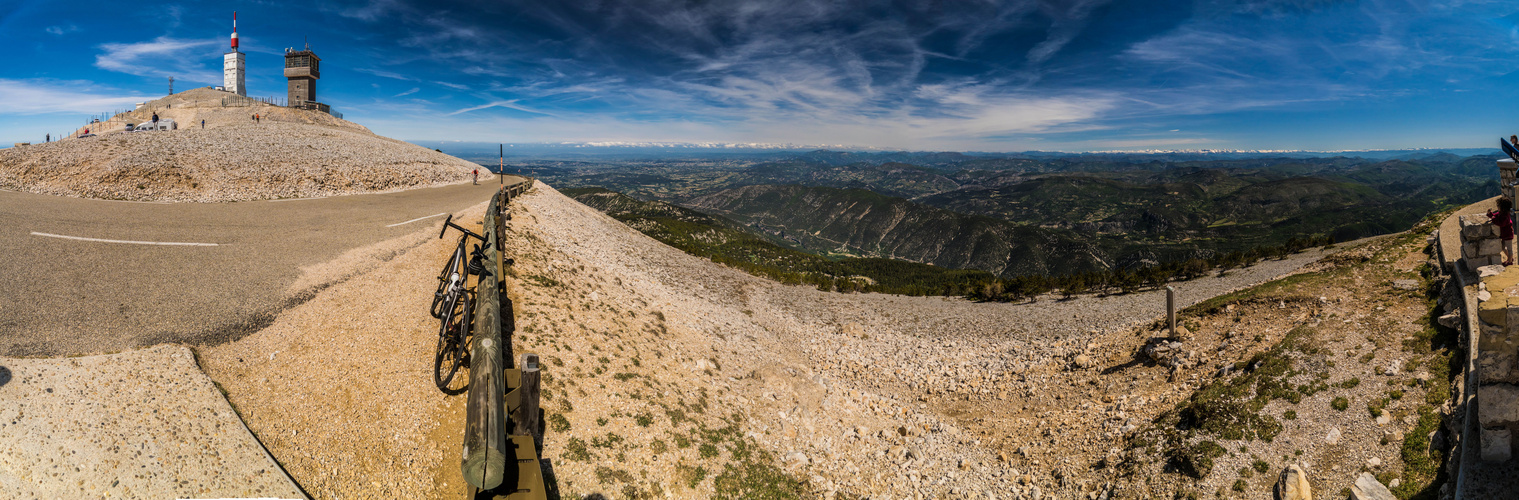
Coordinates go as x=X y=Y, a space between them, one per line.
x=1498 y=336
x=1480 y=245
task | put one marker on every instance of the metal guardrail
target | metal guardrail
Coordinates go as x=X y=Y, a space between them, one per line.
x=503 y=431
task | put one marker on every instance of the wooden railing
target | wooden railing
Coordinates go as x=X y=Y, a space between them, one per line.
x=503 y=431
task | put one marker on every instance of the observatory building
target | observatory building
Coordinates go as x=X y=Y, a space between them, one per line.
x=234 y=63
x=303 y=70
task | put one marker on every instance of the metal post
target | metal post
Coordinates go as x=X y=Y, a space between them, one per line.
x=1171 y=310
x=501 y=164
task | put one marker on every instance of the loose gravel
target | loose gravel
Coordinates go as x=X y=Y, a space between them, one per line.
x=340 y=388
x=853 y=393
x=140 y=424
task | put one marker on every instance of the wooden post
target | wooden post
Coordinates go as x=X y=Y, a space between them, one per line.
x=1171 y=310
x=486 y=449
x=526 y=420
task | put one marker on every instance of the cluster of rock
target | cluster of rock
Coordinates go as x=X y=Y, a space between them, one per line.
x=1292 y=484
x=1480 y=245
x=1169 y=353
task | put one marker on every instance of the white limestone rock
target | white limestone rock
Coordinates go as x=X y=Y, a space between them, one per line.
x=1293 y=485
x=1367 y=487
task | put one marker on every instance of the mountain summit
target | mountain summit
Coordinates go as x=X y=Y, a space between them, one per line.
x=286 y=153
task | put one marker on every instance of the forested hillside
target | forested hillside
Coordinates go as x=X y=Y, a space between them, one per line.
x=863 y=223
x=1050 y=215
x=727 y=242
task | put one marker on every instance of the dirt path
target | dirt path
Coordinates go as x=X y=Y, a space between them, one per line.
x=340 y=388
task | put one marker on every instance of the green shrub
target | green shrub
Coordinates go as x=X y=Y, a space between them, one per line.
x=558 y=423
x=575 y=450
x=1195 y=460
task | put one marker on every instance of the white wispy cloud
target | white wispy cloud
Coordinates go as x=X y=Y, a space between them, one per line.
x=188 y=59
x=385 y=74
x=508 y=104
x=409 y=92
x=33 y=97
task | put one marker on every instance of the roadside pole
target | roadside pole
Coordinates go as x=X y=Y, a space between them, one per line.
x=1171 y=310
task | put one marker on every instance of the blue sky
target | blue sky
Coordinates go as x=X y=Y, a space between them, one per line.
x=926 y=75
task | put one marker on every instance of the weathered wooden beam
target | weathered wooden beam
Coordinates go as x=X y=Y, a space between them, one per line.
x=486 y=449
x=526 y=421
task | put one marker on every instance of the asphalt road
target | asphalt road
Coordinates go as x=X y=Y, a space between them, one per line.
x=62 y=296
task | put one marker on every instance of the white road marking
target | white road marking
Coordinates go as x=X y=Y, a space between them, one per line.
x=417 y=219
x=167 y=243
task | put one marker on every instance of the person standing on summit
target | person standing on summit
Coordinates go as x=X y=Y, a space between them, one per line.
x=155 y=121
x=1504 y=219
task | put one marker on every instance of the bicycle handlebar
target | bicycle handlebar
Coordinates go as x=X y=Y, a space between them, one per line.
x=449 y=222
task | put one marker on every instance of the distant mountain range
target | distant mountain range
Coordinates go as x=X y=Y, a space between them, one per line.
x=841 y=155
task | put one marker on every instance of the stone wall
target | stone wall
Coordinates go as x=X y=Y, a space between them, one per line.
x=1480 y=245
x=1498 y=340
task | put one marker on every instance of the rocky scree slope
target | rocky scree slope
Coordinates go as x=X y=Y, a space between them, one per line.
x=291 y=154
x=668 y=374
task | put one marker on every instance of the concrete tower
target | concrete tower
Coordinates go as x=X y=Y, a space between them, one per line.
x=302 y=68
x=233 y=65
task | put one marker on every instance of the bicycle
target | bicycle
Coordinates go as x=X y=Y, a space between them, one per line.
x=453 y=305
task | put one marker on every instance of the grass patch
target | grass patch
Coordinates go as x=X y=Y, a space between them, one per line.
x=690 y=476
x=575 y=451
x=1231 y=409
x=1340 y=403
x=1421 y=465
x=1194 y=460
x=611 y=439
x=756 y=476
x=558 y=423
x=543 y=281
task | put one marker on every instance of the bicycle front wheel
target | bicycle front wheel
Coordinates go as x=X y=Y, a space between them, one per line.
x=450 y=355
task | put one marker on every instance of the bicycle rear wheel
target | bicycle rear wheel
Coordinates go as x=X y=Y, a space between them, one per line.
x=451 y=333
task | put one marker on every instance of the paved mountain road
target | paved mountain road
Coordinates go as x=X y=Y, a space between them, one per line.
x=118 y=291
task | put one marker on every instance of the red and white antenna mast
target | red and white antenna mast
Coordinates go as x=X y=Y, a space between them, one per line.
x=234 y=31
